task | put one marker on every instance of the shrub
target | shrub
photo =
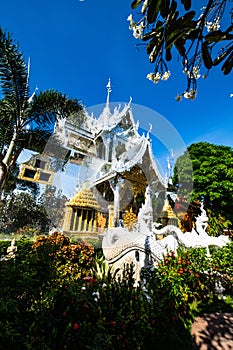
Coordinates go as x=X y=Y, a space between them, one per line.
x=70 y=260
x=54 y=296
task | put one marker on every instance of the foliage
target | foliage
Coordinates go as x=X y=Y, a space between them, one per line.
x=11 y=182
x=21 y=210
x=71 y=260
x=50 y=298
x=174 y=285
x=212 y=179
x=182 y=286
x=198 y=38
x=102 y=270
x=183 y=177
x=217 y=225
x=34 y=284
x=54 y=203
x=223 y=265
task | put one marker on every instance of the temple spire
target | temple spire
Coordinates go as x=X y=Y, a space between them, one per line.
x=109 y=89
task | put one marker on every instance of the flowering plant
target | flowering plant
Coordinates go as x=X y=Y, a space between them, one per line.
x=55 y=296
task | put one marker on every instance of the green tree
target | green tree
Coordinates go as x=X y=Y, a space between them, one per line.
x=54 y=202
x=212 y=178
x=21 y=210
x=198 y=38
x=26 y=120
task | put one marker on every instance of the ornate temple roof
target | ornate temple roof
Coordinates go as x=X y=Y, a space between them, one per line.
x=112 y=144
x=83 y=199
x=108 y=120
x=137 y=151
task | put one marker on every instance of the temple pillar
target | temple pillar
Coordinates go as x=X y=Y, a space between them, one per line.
x=75 y=220
x=111 y=216
x=90 y=224
x=116 y=203
x=107 y=143
x=94 y=221
x=37 y=176
x=85 y=220
x=67 y=219
x=80 y=221
x=116 y=188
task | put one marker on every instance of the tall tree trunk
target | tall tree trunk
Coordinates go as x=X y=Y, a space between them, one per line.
x=9 y=151
x=3 y=175
x=4 y=163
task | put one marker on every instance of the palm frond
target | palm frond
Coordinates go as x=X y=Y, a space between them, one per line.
x=6 y=121
x=13 y=74
x=33 y=139
x=50 y=104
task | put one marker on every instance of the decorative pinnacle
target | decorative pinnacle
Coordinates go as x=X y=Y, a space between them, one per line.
x=109 y=89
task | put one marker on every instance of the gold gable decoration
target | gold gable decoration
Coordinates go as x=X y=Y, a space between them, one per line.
x=137 y=178
x=37 y=169
x=130 y=219
x=84 y=199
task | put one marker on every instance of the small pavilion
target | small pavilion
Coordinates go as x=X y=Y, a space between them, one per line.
x=81 y=213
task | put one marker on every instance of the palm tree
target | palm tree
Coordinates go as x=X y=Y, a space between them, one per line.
x=25 y=117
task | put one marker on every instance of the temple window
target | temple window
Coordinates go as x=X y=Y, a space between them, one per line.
x=44 y=177
x=40 y=164
x=29 y=173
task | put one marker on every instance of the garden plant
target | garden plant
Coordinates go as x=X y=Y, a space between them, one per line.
x=55 y=294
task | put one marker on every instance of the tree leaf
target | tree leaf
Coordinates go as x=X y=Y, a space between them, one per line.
x=136 y=3
x=221 y=57
x=168 y=54
x=179 y=44
x=211 y=164
x=218 y=35
x=187 y=4
x=13 y=72
x=206 y=55
x=165 y=8
x=151 y=45
x=155 y=32
x=153 y=10
x=228 y=65
x=173 y=37
x=187 y=18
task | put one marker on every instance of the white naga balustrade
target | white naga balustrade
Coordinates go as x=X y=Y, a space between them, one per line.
x=142 y=246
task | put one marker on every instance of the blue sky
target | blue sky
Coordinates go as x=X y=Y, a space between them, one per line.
x=75 y=46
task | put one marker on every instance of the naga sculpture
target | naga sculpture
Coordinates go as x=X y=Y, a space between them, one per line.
x=198 y=237
x=122 y=247
x=142 y=246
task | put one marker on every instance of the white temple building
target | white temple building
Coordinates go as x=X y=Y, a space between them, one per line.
x=120 y=165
